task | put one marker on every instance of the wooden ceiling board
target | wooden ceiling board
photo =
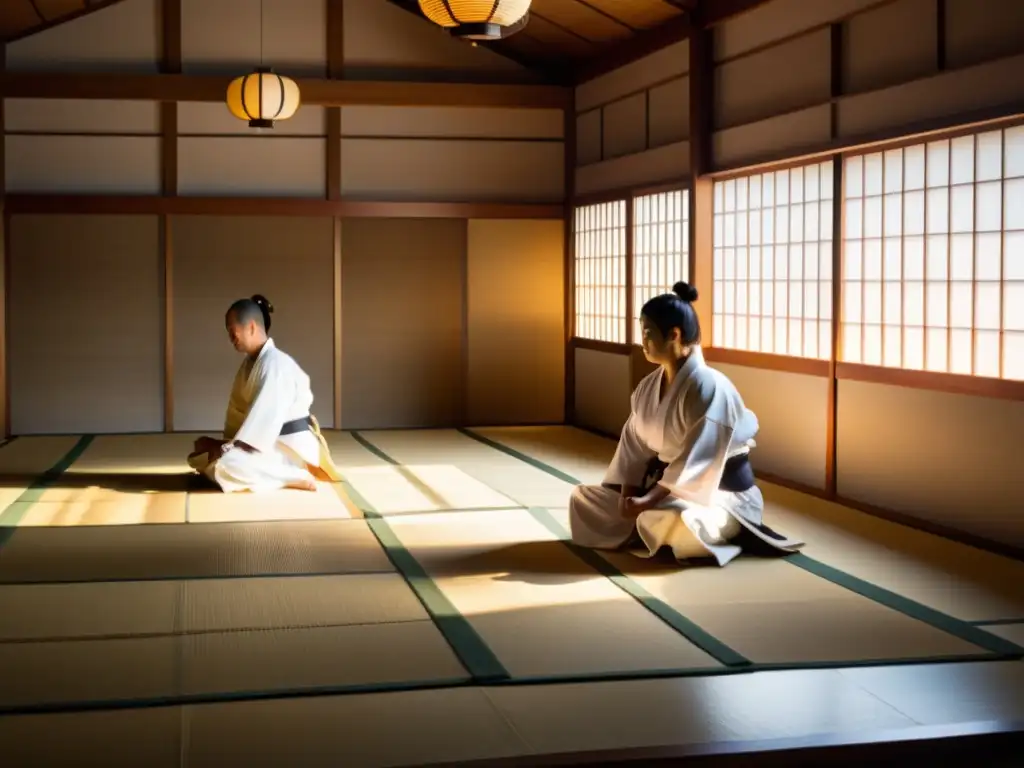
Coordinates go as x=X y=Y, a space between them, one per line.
x=565 y=44
x=55 y=10
x=638 y=14
x=16 y=16
x=580 y=18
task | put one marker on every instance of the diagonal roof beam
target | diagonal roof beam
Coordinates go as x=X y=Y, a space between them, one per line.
x=552 y=76
x=56 y=21
x=669 y=33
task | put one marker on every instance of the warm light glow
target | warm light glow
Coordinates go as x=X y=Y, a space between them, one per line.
x=263 y=98
x=934 y=256
x=661 y=247
x=476 y=19
x=599 y=233
x=772 y=269
x=421 y=488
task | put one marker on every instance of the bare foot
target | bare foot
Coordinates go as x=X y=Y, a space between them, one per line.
x=302 y=485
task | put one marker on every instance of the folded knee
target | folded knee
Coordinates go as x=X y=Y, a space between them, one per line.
x=582 y=494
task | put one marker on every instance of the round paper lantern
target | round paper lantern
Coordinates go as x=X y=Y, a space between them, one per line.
x=262 y=98
x=477 y=19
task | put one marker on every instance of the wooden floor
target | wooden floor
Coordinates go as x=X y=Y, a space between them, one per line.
x=430 y=610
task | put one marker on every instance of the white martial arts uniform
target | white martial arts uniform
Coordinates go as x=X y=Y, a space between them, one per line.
x=268 y=392
x=699 y=424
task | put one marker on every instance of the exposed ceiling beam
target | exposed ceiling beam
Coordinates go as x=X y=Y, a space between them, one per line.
x=669 y=33
x=315 y=91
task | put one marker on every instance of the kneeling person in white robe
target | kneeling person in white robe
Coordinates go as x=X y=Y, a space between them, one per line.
x=271 y=440
x=681 y=476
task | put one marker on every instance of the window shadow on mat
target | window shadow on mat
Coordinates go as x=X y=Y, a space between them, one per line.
x=125 y=483
x=541 y=562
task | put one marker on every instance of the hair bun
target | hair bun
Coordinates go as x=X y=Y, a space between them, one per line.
x=685 y=291
x=264 y=302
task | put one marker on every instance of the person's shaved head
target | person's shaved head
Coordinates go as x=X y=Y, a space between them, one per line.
x=248 y=323
x=247 y=311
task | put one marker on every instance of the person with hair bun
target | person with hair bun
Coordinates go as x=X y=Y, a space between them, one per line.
x=681 y=475
x=271 y=440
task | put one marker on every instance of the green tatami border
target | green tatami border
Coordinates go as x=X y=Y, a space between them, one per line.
x=476 y=656
x=971 y=633
x=670 y=616
x=11 y=516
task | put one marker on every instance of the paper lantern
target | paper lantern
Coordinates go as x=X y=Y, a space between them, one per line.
x=478 y=19
x=262 y=98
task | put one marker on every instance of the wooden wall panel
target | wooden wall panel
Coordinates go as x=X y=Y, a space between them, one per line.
x=667 y=163
x=948 y=94
x=982 y=30
x=624 y=126
x=452 y=122
x=792 y=411
x=252 y=167
x=668 y=112
x=99 y=116
x=402 y=301
x=666 y=64
x=603 y=384
x=893 y=43
x=787 y=76
x=772 y=137
x=85 y=315
x=778 y=20
x=588 y=137
x=952 y=459
x=225 y=36
x=124 y=37
x=218 y=259
x=440 y=170
x=515 y=327
x=83 y=164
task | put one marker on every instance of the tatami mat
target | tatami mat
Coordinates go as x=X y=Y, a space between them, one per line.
x=79 y=611
x=539 y=608
x=190 y=551
x=215 y=507
x=791 y=616
x=961 y=581
x=516 y=483
x=22 y=461
x=362 y=731
x=773 y=613
x=151 y=738
x=427 y=485
x=137 y=454
x=38 y=612
x=322 y=657
x=102 y=509
x=231 y=664
x=300 y=601
x=76 y=671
